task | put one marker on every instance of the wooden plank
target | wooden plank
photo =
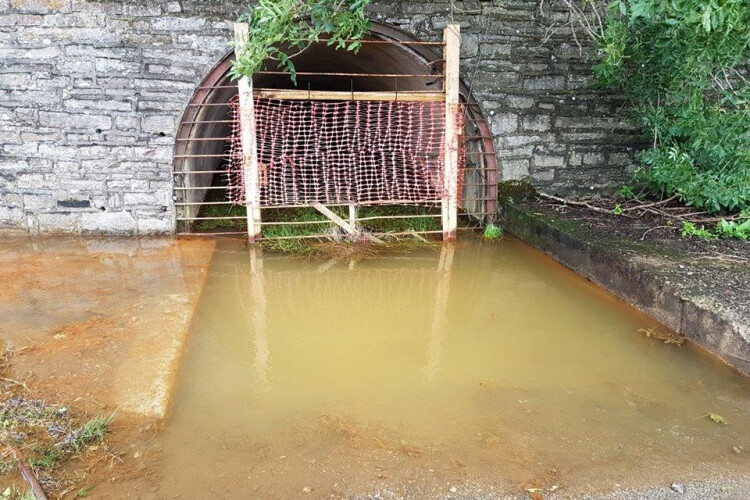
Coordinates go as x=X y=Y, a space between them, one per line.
x=334 y=218
x=353 y=215
x=330 y=95
x=249 y=146
x=452 y=42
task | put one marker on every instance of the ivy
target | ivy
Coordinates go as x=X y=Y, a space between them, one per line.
x=681 y=65
x=279 y=30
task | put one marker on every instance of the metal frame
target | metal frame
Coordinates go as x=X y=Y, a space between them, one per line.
x=486 y=163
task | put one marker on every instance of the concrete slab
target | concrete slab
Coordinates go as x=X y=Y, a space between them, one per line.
x=698 y=290
x=101 y=320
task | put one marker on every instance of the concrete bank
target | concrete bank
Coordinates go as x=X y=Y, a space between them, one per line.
x=698 y=291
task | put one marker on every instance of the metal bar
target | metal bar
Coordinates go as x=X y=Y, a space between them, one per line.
x=198 y=188
x=395 y=42
x=379 y=217
x=201 y=122
x=224 y=155
x=326 y=95
x=227 y=217
x=368 y=75
x=191 y=204
x=299 y=237
x=218 y=87
x=406 y=233
x=232 y=233
x=204 y=139
x=295 y=223
x=362 y=203
x=200 y=172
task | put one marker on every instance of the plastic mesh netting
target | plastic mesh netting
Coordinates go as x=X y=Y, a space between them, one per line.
x=341 y=152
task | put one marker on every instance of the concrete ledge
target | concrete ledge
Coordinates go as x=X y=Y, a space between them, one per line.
x=685 y=294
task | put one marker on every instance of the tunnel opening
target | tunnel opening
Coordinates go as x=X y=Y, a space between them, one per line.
x=391 y=61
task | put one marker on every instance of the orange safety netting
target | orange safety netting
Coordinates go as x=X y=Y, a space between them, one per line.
x=344 y=152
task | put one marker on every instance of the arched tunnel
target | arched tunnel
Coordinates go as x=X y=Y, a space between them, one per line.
x=205 y=130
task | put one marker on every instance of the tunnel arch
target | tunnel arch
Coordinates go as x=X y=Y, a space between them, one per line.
x=205 y=128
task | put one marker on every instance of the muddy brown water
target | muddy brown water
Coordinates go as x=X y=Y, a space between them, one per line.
x=472 y=370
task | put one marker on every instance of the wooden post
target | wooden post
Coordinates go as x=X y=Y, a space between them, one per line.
x=349 y=228
x=451 y=51
x=353 y=215
x=249 y=146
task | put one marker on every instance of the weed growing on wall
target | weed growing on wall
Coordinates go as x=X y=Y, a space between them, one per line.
x=681 y=64
x=279 y=30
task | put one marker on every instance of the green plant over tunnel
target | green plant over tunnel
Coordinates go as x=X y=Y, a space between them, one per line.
x=682 y=65
x=282 y=29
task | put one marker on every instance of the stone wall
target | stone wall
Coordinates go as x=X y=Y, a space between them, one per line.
x=92 y=92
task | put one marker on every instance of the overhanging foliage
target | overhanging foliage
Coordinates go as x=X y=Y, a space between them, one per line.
x=282 y=29
x=680 y=63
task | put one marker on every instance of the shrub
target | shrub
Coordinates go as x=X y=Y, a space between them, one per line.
x=680 y=64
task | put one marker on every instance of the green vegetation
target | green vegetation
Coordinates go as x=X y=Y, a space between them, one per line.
x=330 y=232
x=734 y=229
x=222 y=211
x=700 y=232
x=46 y=434
x=680 y=64
x=283 y=29
x=514 y=191
x=493 y=232
x=15 y=494
x=319 y=227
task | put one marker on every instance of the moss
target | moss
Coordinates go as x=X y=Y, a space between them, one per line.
x=509 y=192
x=521 y=216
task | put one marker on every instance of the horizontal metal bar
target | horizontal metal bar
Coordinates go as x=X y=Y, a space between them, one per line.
x=359 y=203
x=208 y=104
x=393 y=42
x=326 y=95
x=197 y=188
x=355 y=75
x=200 y=172
x=201 y=122
x=218 y=87
x=298 y=237
x=225 y=155
x=406 y=233
x=205 y=139
x=195 y=204
x=241 y=232
x=295 y=223
x=226 y=217
x=379 y=217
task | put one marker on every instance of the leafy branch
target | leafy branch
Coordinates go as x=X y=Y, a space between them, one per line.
x=280 y=30
x=682 y=65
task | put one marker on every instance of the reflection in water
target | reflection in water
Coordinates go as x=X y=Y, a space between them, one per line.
x=442 y=288
x=478 y=365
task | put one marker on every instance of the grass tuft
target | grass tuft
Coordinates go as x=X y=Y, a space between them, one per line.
x=493 y=232
x=92 y=431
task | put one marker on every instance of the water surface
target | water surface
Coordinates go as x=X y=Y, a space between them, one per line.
x=475 y=368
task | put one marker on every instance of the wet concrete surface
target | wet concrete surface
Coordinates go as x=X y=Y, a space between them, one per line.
x=700 y=289
x=103 y=319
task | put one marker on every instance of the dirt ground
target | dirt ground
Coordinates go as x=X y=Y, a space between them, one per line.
x=97 y=325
